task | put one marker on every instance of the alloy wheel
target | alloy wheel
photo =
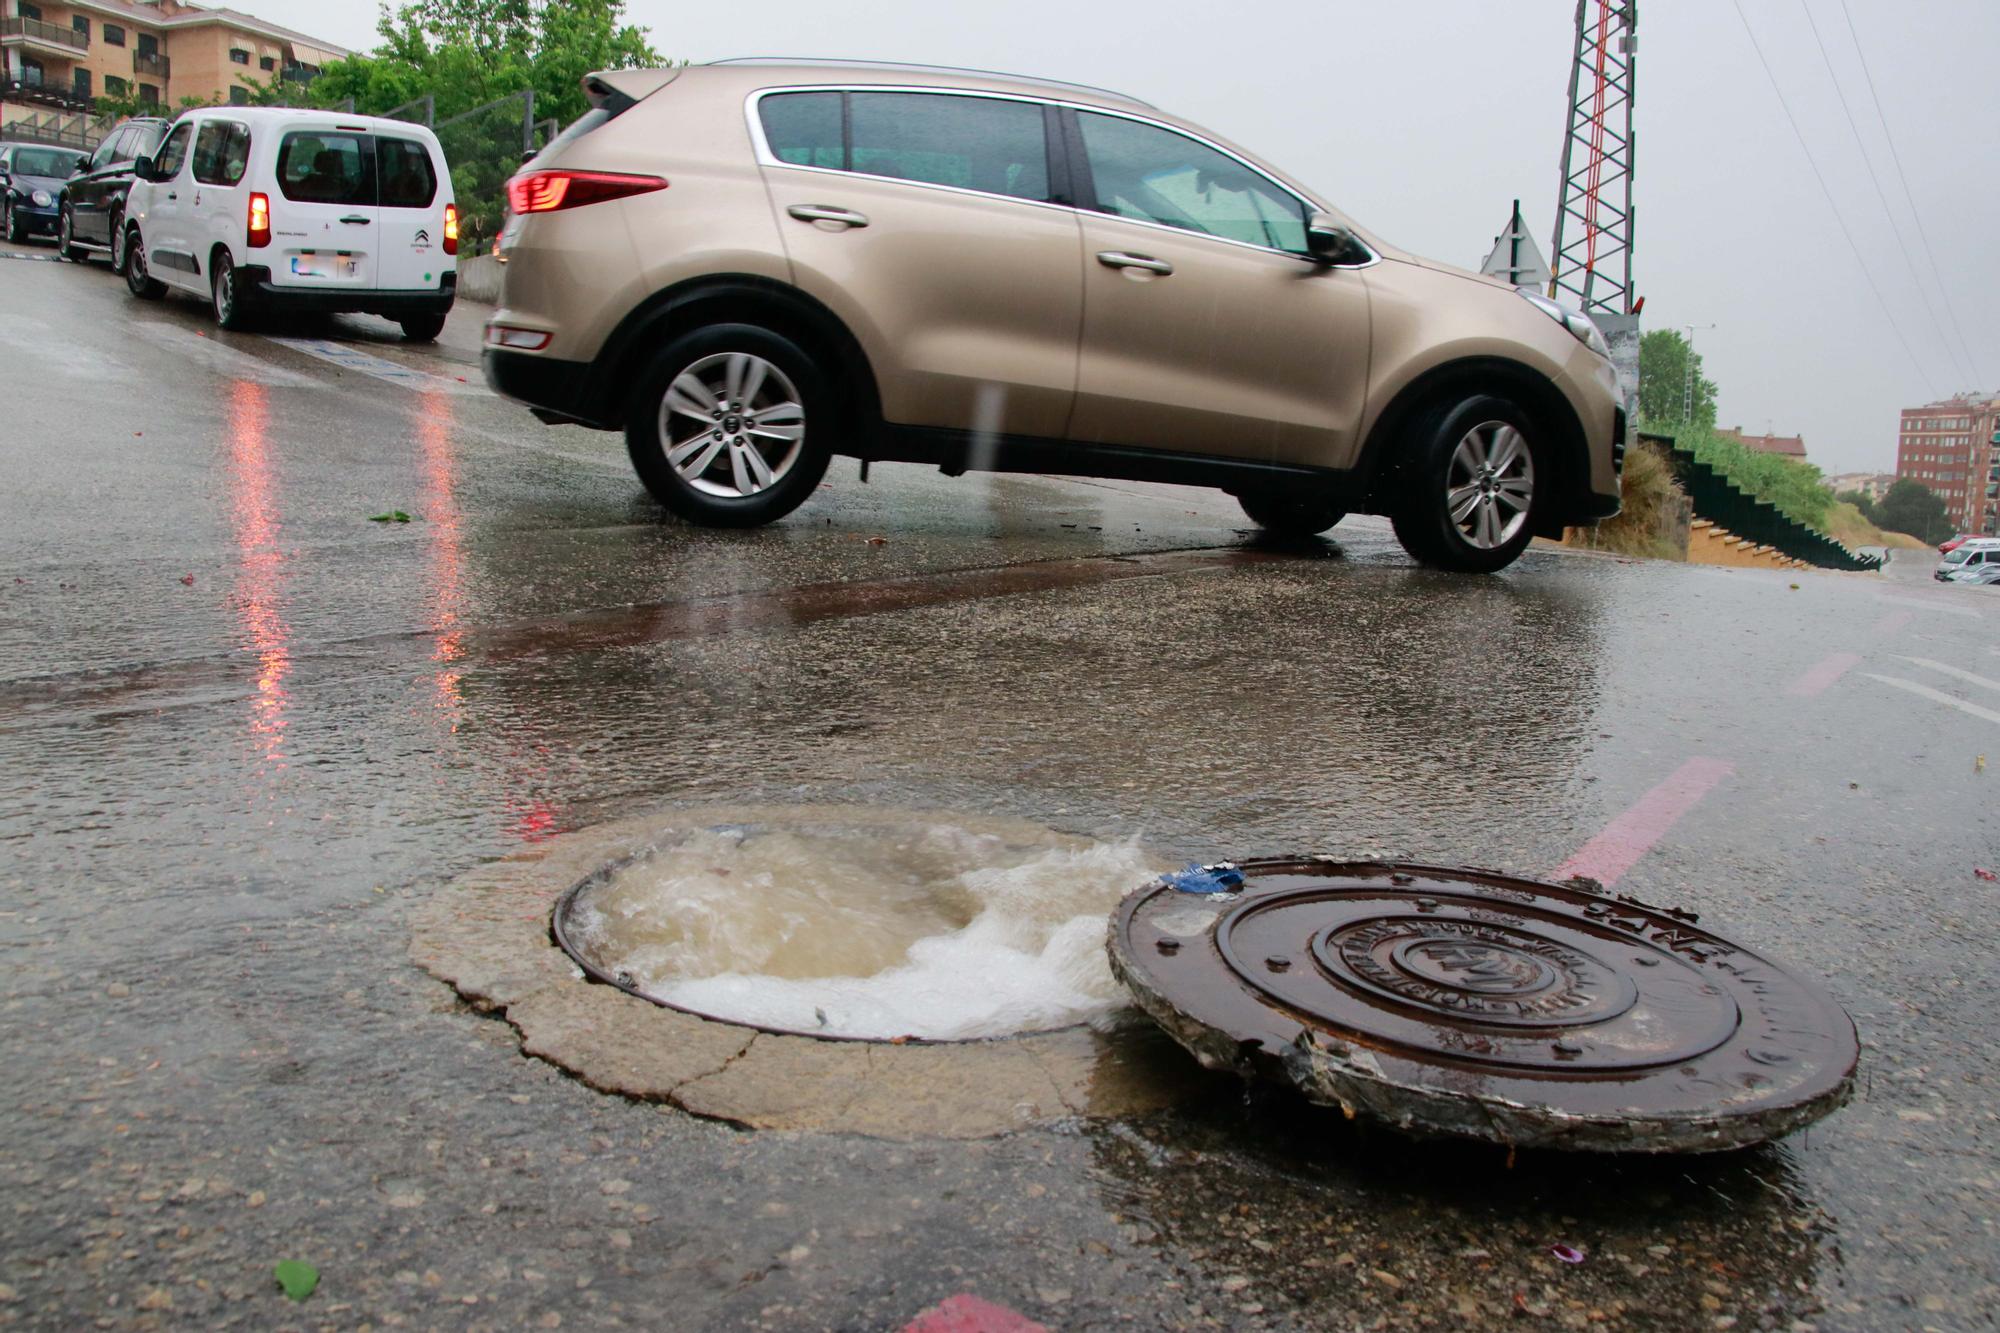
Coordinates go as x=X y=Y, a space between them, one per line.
x=1490 y=485
x=118 y=247
x=732 y=425
x=223 y=287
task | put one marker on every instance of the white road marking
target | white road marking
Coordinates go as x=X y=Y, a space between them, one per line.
x=1966 y=676
x=1928 y=604
x=367 y=363
x=1937 y=696
x=222 y=358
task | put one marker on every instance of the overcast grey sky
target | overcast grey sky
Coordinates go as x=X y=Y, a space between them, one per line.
x=1425 y=120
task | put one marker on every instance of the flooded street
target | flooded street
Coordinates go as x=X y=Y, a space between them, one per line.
x=250 y=733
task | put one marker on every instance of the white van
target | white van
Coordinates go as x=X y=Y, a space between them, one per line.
x=268 y=208
x=1971 y=557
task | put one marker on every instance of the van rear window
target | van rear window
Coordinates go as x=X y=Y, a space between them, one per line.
x=326 y=167
x=403 y=167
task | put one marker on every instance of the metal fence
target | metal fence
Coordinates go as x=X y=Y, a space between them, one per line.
x=58 y=129
x=1718 y=500
x=484 y=146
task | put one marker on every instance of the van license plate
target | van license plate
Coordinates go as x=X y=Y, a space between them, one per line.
x=323 y=266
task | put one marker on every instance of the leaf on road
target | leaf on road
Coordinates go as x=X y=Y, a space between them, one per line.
x=297 y=1277
x=393 y=516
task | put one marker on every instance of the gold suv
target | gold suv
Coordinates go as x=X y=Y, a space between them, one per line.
x=751 y=266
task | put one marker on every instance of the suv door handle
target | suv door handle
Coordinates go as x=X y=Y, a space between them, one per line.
x=1120 y=259
x=826 y=213
x=359 y=222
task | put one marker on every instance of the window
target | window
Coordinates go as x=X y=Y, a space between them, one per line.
x=975 y=143
x=238 y=56
x=146 y=138
x=1155 y=175
x=167 y=163
x=239 y=95
x=114 y=86
x=28 y=11
x=104 y=156
x=325 y=167
x=221 y=152
x=149 y=94
x=114 y=35
x=82 y=82
x=403 y=166
x=79 y=24
x=149 y=45
x=267 y=63
x=804 y=129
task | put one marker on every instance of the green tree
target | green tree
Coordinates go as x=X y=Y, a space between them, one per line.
x=1912 y=507
x=1663 y=384
x=1861 y=501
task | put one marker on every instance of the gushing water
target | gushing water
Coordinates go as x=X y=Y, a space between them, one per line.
x=929 y=926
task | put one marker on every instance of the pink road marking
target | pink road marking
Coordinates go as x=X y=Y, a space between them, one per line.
x=1894 y=621
x=1824 y=674
x=966 y=1313
x=1625 y=839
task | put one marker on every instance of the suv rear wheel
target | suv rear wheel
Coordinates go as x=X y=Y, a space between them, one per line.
x=1471 y=485
x=1290 y=515
x=727 y=426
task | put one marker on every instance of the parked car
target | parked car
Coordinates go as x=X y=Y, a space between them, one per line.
x=267 y=208
x=92 y=204
x=31 y=182
x=1968 y=555
x=749 y=267
x=1951 y=544
x=1986 y=573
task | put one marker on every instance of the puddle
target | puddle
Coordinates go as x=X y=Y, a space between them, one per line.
x=942 y=928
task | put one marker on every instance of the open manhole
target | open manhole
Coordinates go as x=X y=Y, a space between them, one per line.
x=900 y=926
x=1477 y=1005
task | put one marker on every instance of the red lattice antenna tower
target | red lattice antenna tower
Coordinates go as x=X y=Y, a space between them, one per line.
x=1593 y=244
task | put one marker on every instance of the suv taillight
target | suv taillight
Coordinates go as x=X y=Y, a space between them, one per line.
x=260 y=220
x=547 y=191
x=451 y=229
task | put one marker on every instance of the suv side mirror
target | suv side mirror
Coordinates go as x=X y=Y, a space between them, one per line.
x=1331 y=243
x=142 y=167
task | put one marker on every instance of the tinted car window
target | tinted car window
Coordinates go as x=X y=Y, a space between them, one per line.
x=105 y=154
x=221 y=152
x=1153 y=174
x=145 y=142
x=326 y=167
x=975 y=143
x=804 y=129
x=403 y=166
x=173 y=152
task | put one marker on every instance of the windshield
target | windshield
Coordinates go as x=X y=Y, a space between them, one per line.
x=1957 y=556
x=43 y=162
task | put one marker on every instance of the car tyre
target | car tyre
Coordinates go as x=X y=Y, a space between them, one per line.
x=1281 y=515
x=118 y=239
x=729 y=426
x=66 y=244
x=422 y=328
x=1475 y=478
x=10 y=223
x=225 y=294
x=138 y=278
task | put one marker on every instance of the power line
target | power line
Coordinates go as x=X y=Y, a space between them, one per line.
x=1882 y=196
x=1832 y=206
x=1943 y=291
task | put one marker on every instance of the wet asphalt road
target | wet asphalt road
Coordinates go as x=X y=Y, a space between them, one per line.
x=244 y=729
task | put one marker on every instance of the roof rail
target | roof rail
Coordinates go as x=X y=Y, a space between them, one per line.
x=934 y=69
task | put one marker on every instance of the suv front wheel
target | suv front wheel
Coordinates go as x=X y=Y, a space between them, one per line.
x=728 y=424
x=1471 y=484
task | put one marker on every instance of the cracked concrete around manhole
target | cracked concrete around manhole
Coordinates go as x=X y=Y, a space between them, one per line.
x=488 y=935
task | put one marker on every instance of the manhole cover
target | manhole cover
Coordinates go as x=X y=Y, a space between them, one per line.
x=1479 y=1005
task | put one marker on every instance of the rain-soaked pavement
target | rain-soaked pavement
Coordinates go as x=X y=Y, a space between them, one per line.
x=245 y=731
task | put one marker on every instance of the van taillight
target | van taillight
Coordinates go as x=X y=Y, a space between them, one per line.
x=547 y=191
x=260 y=220
x=451 y=229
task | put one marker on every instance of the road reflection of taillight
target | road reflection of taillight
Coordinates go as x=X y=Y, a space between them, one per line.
x=260 y=221
x=451 y=229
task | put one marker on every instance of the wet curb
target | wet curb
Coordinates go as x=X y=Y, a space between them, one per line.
x=487 y=935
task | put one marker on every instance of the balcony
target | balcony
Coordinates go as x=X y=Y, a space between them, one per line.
x=150 y=66
x=30 y=88
x=35 y=35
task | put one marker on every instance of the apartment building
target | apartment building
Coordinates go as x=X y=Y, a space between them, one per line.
x=1788 y=446
x=1950 y=446
x=1874 y=485
x=60 y=55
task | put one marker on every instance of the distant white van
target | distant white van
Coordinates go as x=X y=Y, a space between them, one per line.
x=269 y=208
x=1972 y=556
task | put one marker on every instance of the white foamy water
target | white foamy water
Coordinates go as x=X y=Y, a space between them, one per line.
x=911 y=926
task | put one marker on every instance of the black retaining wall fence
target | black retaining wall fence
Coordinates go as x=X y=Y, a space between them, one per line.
x=1717 y=499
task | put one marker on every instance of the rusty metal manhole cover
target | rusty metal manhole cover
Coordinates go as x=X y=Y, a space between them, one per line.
x=1474 y=1004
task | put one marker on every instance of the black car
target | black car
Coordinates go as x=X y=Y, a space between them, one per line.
x=93 y=203
x=31 y=184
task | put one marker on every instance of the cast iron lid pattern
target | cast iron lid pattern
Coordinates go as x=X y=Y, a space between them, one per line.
x=1481 y=1005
